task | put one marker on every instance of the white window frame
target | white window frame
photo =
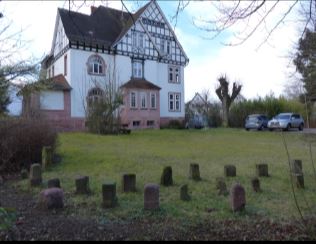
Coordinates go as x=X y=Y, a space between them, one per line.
x=175 y=100
x=137 y=69
x=174 y=73
x=96 y=65
x=152 y=94
x=143 y=100
x=133 y=99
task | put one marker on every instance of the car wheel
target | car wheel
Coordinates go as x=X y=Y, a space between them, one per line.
x=247 y=129
x=288 y=127
x=301 y=127
x=270 y=129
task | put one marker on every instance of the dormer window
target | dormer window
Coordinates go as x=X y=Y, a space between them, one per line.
x=96 y=65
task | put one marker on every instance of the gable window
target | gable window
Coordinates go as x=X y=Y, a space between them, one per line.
x=137 y=69
x=174 y=74
x=65 y=65
x=174 y=102
x=143 y=100
x=168 y=48
x=138 y=41
x=96 y=65
x=152 y=100
x=162 y=45
x=95 y=95
x=133 y=101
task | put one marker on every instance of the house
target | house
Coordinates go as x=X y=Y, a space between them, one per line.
x=197 y=112
x=137 y=51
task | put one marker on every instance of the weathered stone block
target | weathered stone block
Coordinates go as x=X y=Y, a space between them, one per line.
x=237 y=197
x=230 y=170
x=255 y=183
x=47 y=157
x=166 y=177
x=82 y=185
x=297 y=167
x=53 y=183
x=51 y=198
x=221 y=186
x=262 y=170
x=195 y=172
x=184 y=194
x=151 y=197
x=109 y=195
x=129 y=183
x=36 y=175
x=299 y=180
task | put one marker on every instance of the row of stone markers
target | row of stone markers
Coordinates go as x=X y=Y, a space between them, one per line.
x=53 y=196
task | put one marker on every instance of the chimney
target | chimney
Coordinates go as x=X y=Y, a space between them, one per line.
x=93 y=9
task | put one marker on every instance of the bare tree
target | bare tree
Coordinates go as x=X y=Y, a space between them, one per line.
x=226 y=99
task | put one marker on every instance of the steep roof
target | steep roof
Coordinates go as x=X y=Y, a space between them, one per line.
x=102 y=27
x=136 y=83
x=60 y=83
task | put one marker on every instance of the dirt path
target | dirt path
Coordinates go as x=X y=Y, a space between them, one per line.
x=34 y=224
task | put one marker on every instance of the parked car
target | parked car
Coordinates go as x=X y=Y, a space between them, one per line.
x=286 y=121
x=256 y=121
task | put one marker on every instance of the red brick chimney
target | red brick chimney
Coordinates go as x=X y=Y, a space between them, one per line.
x=93 y=9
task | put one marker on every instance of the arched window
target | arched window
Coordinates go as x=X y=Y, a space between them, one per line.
x=95 y=95
x=96 y=65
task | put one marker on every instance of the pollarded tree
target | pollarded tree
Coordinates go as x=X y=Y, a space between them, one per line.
x=223 y=94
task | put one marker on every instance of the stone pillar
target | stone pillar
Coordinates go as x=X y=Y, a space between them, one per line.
x=109 y=195
x=151 y=197
x=195 y=172
x=221 y=186
x=53 y=183
x=36 y=175
x=255 y=183
x=230 y=170
x=299 y=179
x=262 y=170
x=184 y=194
x=237 y=197
x=82 y=185
x=166 y=177
x=297 y=167
x=51 y=198
x=47 y=157
x=129 y=183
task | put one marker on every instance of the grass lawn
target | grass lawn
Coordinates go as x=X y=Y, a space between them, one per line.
x=146 y=153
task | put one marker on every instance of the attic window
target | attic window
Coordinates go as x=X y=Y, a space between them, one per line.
x=96 y=65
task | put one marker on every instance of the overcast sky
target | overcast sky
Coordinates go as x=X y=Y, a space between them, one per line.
x=260 y=71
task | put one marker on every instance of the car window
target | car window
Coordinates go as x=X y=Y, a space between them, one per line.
x=283 y=117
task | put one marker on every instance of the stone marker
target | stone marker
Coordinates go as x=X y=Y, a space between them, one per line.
x=53 y=183
x=297 y=167
x=237 y=197
x=195 y=172
x=184 y=195
x=262 y=170
x=221 y=186
x=166 y=177
x=47 y=157
x=51 y=198
x=129 y=183
x=151 y=197
x=109 y=195
x=82 y=185
x=36 y=175
x=255 y=183
x=230 y=170
x=299 y=179
x=24 y=174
